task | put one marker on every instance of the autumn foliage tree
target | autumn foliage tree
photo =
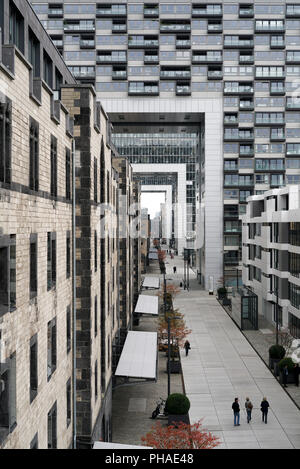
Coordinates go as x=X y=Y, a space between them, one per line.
x=171 y=289
x=183 y=436
x=178 y=329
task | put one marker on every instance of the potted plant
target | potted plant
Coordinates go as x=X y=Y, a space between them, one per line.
x=290 y=364
x=276 y=353
x=222 y=293
x=177 y=408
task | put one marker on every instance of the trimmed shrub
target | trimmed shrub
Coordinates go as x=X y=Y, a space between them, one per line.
x=177 y=404
x=286 y=361
x=276 y=352
x=222 y=291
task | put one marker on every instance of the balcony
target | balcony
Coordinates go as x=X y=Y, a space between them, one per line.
x=170 y=27
x=269 y=26
x=246 y=59
x=143 y=89
x=151 y=11
x=214 y=74
x=292 y=104
x=277 y=135
x=119 y=74
x=277 y=42
x=236 y=88
x=231 y=119
x=183 y=89
x=269 y=73
x=293 y=11
x=292 y=149
x=108 y=11
x=246 y=11
x=277 y=88
x=269 y=119
x=79 y=26
x=238 y=42
x=83 y=72
x=55 y=13
x=246 y=105
x=87 y=44
x=207 y=11
x=119 y=28
x=174 y=74
x=293 y=57
x=214 y=28
x=111 y=58
x=183 y=43
x=151 y=59
x=246 y=150
x=142 y=42
x=236 y=134
x=208 y=57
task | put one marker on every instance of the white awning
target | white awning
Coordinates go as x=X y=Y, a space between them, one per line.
x=153 y=255
x=147 y=305
x=139 y=356
x=151 y=282
x=105 y=445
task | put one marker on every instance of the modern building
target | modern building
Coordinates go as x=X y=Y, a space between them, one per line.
x=205 y=91
x=271 y=254
x=60 y=296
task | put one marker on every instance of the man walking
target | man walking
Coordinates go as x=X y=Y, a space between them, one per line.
x=264 y=407
x=187 y=347
x=285 y=374
x=249 y=407
x=174 y=269
x=236 y=412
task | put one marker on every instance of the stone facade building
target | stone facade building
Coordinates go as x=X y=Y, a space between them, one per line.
x=59 y=246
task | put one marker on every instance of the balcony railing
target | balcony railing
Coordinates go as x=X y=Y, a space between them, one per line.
x=205 y=58
x=183 y=90
x=171 y=74
x=174 y=27
x=269 y=27
x=119 y=28
x=79 y=27
x=237 y=43
x=183 y=44
x=246 y=12
x=214 y=28
x=151 y=12
x=214 y=74
x=106 y=12
x=151 y=59
x=293 y=103
x=119 y=74
x=246 y=59
x=207 y=11
x=150 y=90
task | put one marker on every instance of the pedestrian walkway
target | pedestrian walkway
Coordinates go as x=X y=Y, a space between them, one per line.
x=222 y=365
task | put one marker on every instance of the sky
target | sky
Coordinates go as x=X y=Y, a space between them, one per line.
x=152 y=201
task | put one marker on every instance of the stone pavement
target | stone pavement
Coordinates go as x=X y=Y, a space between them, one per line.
x=222 y=365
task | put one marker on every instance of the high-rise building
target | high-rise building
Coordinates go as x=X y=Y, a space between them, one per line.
x=205 y=91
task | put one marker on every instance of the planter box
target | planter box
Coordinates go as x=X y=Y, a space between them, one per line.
x=175 y=366
x=173 y=419
x=290 y=378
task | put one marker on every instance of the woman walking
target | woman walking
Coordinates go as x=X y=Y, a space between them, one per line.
x=264 y=407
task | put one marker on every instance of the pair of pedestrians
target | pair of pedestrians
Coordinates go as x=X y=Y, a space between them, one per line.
x=264 y=407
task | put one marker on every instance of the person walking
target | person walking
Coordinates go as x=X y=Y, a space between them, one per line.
x=187 y=347
x=264 y=407
x=236 y=412
x=249 y=407
x=296 y=374
x=285 y=374
x=174 y=269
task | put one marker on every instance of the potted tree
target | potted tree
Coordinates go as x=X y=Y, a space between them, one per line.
x=177 y=408
x=222 y=293
x=276 y=353
x=290 y=364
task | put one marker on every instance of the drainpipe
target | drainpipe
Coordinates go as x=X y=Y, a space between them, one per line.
x=74 y=293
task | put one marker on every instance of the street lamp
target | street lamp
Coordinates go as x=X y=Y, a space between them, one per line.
x=277 y=311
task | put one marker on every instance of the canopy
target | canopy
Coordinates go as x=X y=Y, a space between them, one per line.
x=151 y=282
x=147 y=305
x=139 y=356
x=105 y=445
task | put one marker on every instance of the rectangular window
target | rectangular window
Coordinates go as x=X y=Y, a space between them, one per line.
x=68 y=174
x=51 y=348
x=95 y=181
x=34 y=155
x=7 y=273
x=16 y=28
x=69 y=329
x=68 y=255
x=51 y=261
x=33 y=368
x=53 y=166
x=34 y=53
x=69 y=406
x=52 y=427
x=5 y=140
x=48 y=70
x=33 y=266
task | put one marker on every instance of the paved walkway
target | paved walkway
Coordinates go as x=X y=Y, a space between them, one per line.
x=222 y=365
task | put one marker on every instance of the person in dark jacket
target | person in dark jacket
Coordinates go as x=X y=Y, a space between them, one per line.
x=248 y=407
x=236 y=412
x=285 y=374
x=187 y=347
x=296 y=374
x=264 y=407
x=174 y=270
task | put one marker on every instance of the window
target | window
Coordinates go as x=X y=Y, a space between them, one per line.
x=68 y=174
x=33 y=266
x=294 y=295
x=34 y=155
x=53 y=166
x=16 y=28
x=294 y=264
x=33 y=362
x=51 y=348
x=7 y=273
x=48 y=70
x=51 y=261
x=69 y=329
x=34 y=54
x=68 y=255
x=52 y=427
x=5 y=139
x=294 y=326
x=69 y=405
